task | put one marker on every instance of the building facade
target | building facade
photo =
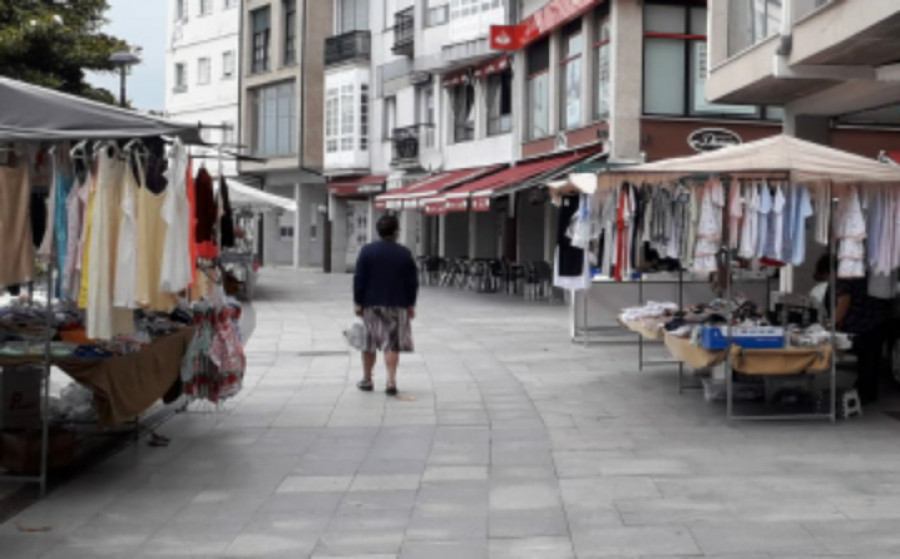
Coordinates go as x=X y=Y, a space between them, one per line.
x=202 y=84
x=281 y=119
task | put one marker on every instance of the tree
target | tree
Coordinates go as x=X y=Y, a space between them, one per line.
x=52 y=43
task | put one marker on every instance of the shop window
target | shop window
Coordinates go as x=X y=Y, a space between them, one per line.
x=274 y=120
x=261 y=24
x=290 y=32
x=499 y=88
x=603 y=75
x=571 y=73
x=675 y=64
x=462 y=103
x=538 y=90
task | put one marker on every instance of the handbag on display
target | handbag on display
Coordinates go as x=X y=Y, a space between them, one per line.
x=356 y=336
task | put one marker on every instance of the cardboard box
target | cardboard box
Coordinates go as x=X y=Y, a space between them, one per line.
x=20 y=451
x=20 y=397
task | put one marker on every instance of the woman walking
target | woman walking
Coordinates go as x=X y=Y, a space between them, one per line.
x=385 y=288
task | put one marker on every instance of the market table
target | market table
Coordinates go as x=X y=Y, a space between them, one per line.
x=123 y=386
x=692 y=355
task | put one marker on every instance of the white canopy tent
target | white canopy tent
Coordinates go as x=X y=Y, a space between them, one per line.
x=247 y=197
x=803 y=161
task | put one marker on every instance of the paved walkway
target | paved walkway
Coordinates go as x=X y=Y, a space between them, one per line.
x=509 y=443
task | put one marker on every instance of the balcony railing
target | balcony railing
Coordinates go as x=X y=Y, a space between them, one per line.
x=404 y=33
x=352 y=46
x=406 y=146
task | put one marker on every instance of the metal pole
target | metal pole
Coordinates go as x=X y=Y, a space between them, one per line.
x=680 y=310
x=48 y=325
x=123 y=99
x=640 y=336
x=729 y=388
x=832 y=280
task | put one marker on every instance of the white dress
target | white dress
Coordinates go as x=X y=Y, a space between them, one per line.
x=851 y=234
x=126 y=252
x=176 y=211
x=103 y=321
x=709 y=229
x=749 y=233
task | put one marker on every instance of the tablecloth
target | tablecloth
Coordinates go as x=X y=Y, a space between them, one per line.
x=127 y=385
x=691 y=355
x=788 y=361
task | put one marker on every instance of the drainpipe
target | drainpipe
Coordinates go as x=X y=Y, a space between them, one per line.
x=786 y=41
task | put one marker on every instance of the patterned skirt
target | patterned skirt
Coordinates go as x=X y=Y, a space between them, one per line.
x=388 y=329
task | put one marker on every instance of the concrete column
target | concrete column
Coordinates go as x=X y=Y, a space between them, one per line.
x=338 y=214
x=442 y=236
x=626 y=61
x=473 y=235
x=520 y=124
x=555 y=80
x=298 y=222
x=549 y=237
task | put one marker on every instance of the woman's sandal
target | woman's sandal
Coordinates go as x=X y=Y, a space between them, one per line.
x=391 y=390
x=365 y=385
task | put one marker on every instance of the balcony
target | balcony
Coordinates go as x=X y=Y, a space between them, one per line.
x=406 y=147
x=355 y=46
x=404 y=33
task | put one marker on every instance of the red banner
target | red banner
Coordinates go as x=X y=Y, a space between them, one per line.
x=553 y=15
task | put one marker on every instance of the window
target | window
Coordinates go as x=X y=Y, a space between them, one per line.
x=180 y=77
x=751 y=21
x=499 y=90
x=354 y=15
x=332 y=116
x=363 y=117
x=228 y=133
x=230 y=4
x=290 y=32
x=179 y=10
x=462 y=103
x=603 y=76
x=261 y=19
x=570 y=70
x=675 y=63
x=439 y=15
x=274 y=120
x=203 y=71
x=465 y=8
x=426 y=116
x=348 y=117
x=206 y=7
x=390 y=117
x=314 y=223
x=228 y=64
x=538 y=90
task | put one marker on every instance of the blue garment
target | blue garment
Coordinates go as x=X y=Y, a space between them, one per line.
x=797 y=209
x=386 y=276
x=61 y=224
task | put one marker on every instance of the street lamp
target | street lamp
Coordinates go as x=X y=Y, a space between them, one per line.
x=124 y=60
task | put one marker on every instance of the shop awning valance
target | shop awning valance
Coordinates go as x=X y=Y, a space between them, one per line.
x=494 y=66
x=356 y=186
x=803 y=161
x=412 y=194
x=524 y=175
x=32 y=113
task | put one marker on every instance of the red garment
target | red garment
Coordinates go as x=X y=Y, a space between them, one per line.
x=620 y=237
x=192 y=201
x=206 y=216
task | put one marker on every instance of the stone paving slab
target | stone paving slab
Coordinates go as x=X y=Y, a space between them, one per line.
x=509 y=443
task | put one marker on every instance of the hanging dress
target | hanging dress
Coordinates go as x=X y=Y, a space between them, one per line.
x=851 y=234
x=177 y=267
x=74 y=217
x=125 y=293
x=709 y=228
x=17 y=248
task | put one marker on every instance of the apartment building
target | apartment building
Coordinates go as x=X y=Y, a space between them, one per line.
x=832 y=65
x=282 y=48
x=202 y=84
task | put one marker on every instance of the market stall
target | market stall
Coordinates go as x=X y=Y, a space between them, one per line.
x=109 y=266
x=738 y=210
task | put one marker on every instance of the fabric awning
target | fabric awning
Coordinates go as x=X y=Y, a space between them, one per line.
x=247 y=197
x=413 y=194
x=803 y=161
x=356 y=186
x=477 y=195
x=32 y=113
x=890 y=157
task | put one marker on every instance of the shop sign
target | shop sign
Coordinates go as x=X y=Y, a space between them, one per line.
x=711 y=139
x=481 y=204
x=369 y=188
x=554 y=14
x=493 y=67
x=434 y=208
x=456 y=205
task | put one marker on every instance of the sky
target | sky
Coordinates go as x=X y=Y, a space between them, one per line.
x=141 y=23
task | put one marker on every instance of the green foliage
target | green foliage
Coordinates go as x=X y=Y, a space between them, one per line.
x=52 y=43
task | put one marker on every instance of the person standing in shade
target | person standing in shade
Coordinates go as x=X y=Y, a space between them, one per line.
x=385 y=288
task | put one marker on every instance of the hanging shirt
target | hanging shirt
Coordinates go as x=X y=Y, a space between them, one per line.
x=851 y=234
x=801 y=209
x=764 y=210
x=822 y=201
x=749 y=228
x=735 y=213
x=775 y=233
x=17 y=248
x=709 y=229
x=75 y=215
x=177 y=269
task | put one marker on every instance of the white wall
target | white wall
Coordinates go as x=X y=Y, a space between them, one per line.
x=198 y=37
